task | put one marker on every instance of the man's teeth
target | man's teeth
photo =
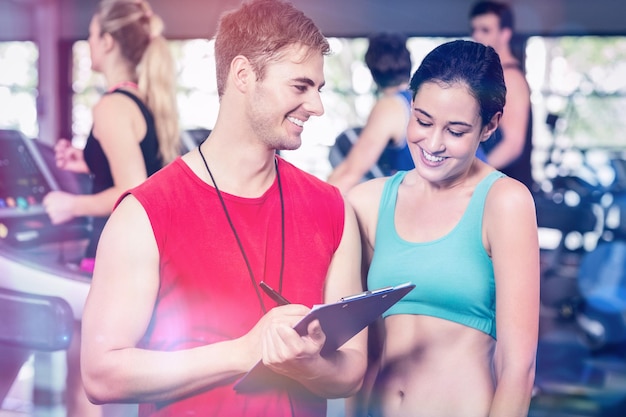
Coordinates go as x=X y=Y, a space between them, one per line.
x=296 y=121
x=431 y=157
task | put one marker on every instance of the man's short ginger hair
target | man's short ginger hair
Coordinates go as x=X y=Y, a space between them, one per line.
x=261 y=30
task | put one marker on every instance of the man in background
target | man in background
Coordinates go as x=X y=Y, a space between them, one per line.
x=509 y=148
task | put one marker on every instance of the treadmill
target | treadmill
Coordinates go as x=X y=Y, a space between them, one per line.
x=42 y=290
x=36 y=256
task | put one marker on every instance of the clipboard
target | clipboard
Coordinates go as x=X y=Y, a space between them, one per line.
x=340 y=322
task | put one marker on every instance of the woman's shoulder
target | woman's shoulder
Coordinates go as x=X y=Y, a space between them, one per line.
x=367 y=190
x=117 y=103
x=365 y=197
x=118 y=115
x=509 y=196
x=392 y=102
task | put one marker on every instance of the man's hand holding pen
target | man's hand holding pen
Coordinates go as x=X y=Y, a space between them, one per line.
x=282 y=349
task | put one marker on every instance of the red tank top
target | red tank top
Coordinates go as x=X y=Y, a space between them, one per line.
x=206 y=294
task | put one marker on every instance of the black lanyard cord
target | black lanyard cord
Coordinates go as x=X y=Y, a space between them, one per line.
x=232 y=226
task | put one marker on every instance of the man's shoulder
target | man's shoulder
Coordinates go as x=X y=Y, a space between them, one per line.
x=516 y=85
x=308 y=184
x=514 y=73
x=292 y=170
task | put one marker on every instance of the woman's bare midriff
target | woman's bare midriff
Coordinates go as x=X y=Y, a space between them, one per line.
x=433 y=368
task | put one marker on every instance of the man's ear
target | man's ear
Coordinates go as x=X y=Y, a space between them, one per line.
x=507 y=35
x=241 y=73
x=490 y=127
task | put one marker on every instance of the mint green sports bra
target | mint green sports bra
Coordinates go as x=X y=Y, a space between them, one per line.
x=453 y=274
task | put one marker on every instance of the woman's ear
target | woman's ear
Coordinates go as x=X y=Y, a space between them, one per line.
x=108 y=42
x=490 y=127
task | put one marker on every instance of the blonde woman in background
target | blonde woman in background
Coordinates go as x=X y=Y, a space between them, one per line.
x=135 y=132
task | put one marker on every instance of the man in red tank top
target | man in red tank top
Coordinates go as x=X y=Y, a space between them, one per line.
x=176 y=315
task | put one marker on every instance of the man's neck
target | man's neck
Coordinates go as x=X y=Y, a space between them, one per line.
x=506 y=57
x=242 y=172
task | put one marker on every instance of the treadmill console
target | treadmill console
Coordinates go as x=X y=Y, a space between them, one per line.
x=25 y=179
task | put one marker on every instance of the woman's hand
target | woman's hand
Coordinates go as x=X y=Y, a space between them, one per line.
x=59 y=206
x=69 y=158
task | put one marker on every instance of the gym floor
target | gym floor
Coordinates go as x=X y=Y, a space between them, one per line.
x=573 y=380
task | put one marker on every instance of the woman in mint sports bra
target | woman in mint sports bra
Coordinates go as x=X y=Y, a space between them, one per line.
x=463 y=342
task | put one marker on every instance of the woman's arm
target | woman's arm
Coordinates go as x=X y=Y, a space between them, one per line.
x=119 y=127
x=365 y=200
x=511 y=238
x=69 y=158
x=387 y=121
x=339 y=374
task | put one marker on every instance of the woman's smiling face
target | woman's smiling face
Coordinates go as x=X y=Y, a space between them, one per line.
x=444 y=131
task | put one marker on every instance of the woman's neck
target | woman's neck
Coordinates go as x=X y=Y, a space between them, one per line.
x=123 y=84
x=120 y=76
x=387 y=91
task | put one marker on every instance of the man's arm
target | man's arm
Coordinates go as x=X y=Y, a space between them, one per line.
x=514 y=121
x=119 y=309
x=340 y=374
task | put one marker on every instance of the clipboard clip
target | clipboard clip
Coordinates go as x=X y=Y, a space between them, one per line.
x=366 y=294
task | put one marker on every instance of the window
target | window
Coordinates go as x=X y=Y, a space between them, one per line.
x=578 y=97
x=18 y=87
x=579 y=103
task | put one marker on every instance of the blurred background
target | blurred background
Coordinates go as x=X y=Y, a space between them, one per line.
x=575 y=65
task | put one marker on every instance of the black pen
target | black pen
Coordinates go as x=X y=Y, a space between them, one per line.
x=280 y=300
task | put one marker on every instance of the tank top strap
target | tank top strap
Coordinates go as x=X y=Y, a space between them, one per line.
x=472 y=220
x=407 y=96
x=147 y=114
x=483 y=187
x=387 y=206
